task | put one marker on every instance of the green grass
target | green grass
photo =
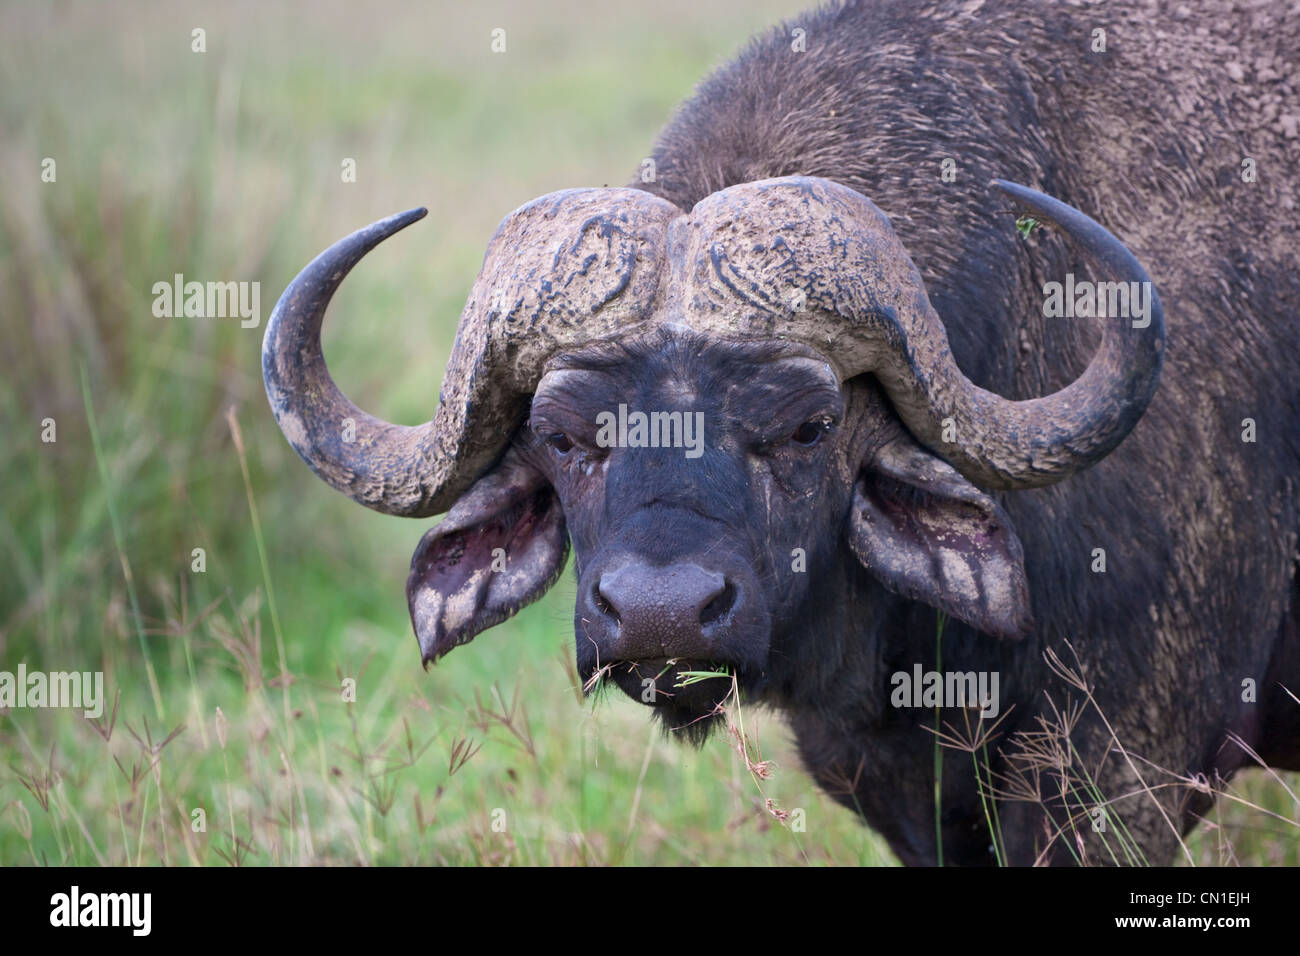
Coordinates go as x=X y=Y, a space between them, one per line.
x=226 y=687
x=226 y=165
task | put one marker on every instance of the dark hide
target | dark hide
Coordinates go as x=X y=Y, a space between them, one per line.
x=1197 y=526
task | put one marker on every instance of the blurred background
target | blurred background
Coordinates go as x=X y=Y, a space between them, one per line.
x=226 y=738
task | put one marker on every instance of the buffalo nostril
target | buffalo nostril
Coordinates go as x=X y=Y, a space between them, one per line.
x=719 y=606
x=662 y=611
x=603 y=604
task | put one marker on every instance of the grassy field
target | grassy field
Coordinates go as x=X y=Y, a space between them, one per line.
x=227 y=738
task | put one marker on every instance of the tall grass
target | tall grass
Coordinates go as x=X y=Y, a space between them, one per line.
x=332 y=746
x=227 y=737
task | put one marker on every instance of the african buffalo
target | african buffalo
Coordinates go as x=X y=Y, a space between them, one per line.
x=780 y=394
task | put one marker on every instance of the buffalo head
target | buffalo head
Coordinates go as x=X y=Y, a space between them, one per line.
x=722 y=408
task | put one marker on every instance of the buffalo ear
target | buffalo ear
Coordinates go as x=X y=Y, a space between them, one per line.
x=927 y=533
x=501 y=546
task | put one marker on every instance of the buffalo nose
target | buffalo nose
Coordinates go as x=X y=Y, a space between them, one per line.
x=662 y=612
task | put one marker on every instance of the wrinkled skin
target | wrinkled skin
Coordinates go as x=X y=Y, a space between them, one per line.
x=795 y=469
x=760 y=490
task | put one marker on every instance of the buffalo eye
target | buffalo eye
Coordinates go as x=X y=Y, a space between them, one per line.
x=811 y=432
x=560 y=442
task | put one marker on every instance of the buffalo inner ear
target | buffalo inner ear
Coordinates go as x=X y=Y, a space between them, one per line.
x=928 y=534
x=500 y=548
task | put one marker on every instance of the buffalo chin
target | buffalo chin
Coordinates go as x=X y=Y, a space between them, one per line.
x=688 y=712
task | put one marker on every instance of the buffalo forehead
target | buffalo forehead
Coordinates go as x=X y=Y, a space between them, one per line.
x=765 y=258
